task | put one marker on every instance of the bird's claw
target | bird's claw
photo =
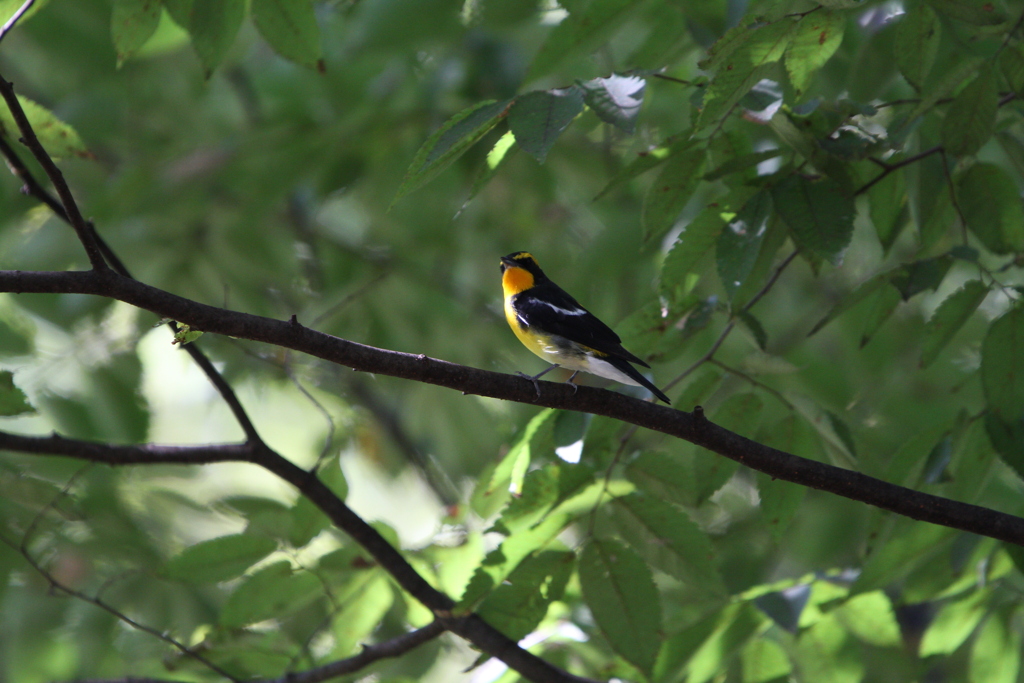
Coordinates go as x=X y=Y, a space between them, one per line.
x=532 y=378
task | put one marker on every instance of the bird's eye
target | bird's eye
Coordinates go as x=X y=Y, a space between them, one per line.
x=503 y=266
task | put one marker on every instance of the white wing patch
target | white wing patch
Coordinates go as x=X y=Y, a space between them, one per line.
x=559 y=309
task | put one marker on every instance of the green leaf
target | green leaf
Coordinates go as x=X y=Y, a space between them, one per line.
x=1002 y=366
x=975 y=12
x=213 y=25
x=995 y=655
x=955 y=622
x=306 y=522
x=736 y=626
x=180 y=11
x=824 y=653
x=881 y=306
x=871 y=617
x=13 y=400
x=621 y=595
x=699 y=235
x=289 y=26
x=991 y=205
x=816 y=39
x=666 y=538
x=513 y=466
x=449 y=142
x=218 y=559
x=271 y=593
x=583 y=30
x=1011 y=65
x=764 y=661
x=854 y=297
x=949 y=317
x=645 y=161
x=740 y=413
x=1007 y=438
x=971 y=119
x=740 y=242
x=918 y=544
x=663 y=475
x=819 y=215
x=913 y=278
x=132 y=23
x=741 y=163
x=670 y=192
x=367 y=599
x=940 y=88
x=58 y=138
x=518 y=605
x=615 y=99
x=755 y=328
x=917 y=43
x=781 y=499
x=889 y=207
x=539 y=117
x=743 y=64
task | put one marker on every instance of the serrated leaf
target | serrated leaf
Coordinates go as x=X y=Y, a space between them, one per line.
x=518 y=605
x=949 y=317
x=974 y=12
x=58 y=138
x=737 y=624
x=449 y=142
x=741 y=163
x=917 y=43
x=971 y=118
x=620 y=592
x=815 y=40
x=664 y=475
x=991 y=205
x=539 y=117
x=218 y=559
x=819 y=215
x=213 y=25
x=272 y=592
x=289 y=26
x=132 y=23
x=615 y=99
x=870 y=617
x=746 y=64
x=833 y=431
x=670 y=192
x=666 y=537
x=512 y=469
x=1002 y=365
x=739 y=243
x=943 y=87
x=586 y=27
x=13 y=400
x=740 y=413
x=755 y=327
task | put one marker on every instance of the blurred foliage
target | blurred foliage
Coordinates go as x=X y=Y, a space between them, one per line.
x=358 y=165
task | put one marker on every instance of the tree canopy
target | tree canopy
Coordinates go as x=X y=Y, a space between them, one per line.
x=806 y=215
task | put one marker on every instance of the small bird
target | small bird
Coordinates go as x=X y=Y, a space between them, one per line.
x=554 y=326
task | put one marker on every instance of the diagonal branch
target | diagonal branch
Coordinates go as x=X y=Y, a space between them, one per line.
x=420 y=368
x=471 y=627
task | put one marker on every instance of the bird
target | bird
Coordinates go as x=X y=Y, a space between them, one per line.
x=554 y=326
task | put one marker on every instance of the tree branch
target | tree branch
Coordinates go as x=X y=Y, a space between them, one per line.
x=85 y=235
x=420 y=368
x=472 y=628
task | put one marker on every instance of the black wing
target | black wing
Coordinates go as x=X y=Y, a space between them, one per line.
x=552 y=309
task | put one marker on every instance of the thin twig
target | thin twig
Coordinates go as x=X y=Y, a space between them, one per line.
x=85 y=236
x=15 y=18
x=110 y=609
x=888 y=168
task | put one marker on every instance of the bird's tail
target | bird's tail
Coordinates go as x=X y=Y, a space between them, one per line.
x=634 y=374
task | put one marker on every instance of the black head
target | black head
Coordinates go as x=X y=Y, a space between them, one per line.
x=524 y=260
